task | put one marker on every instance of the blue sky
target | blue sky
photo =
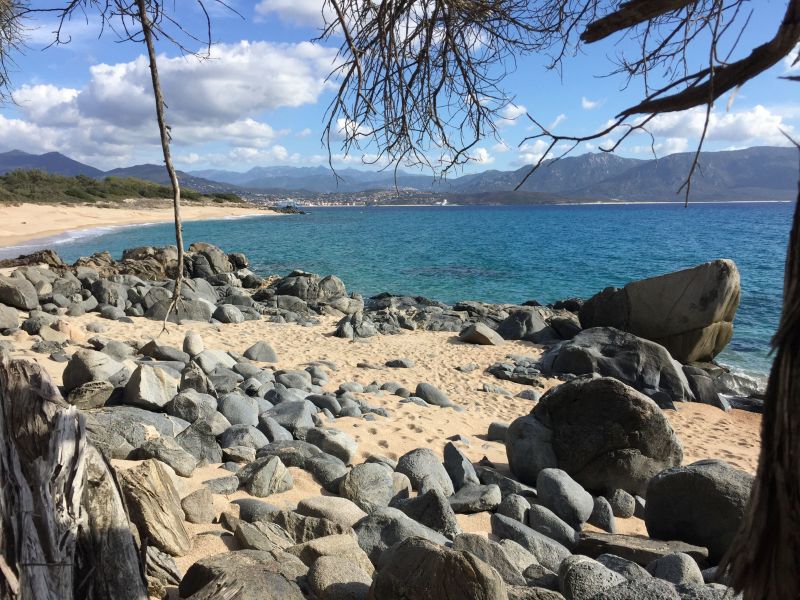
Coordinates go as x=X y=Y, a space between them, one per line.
x=261 y=98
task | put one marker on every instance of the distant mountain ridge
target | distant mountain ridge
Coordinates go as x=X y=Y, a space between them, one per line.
x=759 y=173
x=52 y=162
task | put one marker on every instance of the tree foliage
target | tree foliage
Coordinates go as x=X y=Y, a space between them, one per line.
x=421 y=81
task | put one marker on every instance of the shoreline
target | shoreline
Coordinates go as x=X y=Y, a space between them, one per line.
x=587 y=203
x=52 y=225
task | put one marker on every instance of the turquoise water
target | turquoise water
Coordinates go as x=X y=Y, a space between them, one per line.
x=508 y=254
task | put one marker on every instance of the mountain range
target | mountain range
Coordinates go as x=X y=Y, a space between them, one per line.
x=759 y=173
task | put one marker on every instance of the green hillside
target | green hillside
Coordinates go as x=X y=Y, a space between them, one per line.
x=45 y=188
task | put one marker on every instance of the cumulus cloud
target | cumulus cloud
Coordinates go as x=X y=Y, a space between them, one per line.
x=481 y=156
x=303 y=133
x=216 y=100
x=510 y=115
x=587 y=104
x=757 y=125
x=47 y=104
x=237 y=79
x=530 y=153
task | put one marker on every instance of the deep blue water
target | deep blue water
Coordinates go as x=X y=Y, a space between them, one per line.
x=508 y=254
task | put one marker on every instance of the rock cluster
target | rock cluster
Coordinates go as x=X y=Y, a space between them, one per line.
x=595 y=448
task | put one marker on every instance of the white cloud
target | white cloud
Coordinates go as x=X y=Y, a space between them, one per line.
x=757 y=125
x=304 y=133
x=501 y=147
x=530 y=153
x=558 y=120
x=671 y=145
x=587 y=104
x=481 y=156
x=296 y=12
x=220 y=89
x=240 y=158
x=346 y=128
x=47 y=104
x=112 y=118
x=510 y=115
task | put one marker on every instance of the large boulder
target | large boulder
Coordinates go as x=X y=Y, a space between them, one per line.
x=424 y=469
x=150 y=388
x=9 y=317
x=526 y=325
x=422 y=570
x=18 y=292
x=310 y=287
x=88 y=365
x=642 y=364
x=261 y=575
x=155 y=507
x=355 y=326
x=217 y=259
x=605 y=434
x=385 y=527
x=690 y=312
x=702 y=503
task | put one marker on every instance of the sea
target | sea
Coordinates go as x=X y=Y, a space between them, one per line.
x=507 y=254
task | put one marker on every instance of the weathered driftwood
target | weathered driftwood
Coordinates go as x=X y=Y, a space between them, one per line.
x=64 y=532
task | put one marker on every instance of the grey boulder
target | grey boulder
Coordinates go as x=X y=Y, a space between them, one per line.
x=644 y=365
x=603 y=433
x=423 y=467
x=702 y=503
x=564 y=496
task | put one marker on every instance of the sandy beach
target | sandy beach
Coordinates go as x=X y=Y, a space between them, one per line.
x=705 y=431
x=26 y=222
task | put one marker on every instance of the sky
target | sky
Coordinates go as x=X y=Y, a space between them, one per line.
x=261 y=98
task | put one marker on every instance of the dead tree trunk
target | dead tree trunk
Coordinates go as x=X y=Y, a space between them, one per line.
x=164 y=132
x=59 y=539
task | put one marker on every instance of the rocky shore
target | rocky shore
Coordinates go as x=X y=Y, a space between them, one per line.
x=289 y=439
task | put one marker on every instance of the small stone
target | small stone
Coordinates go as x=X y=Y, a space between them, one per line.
x=497 y=432
x=602 y=515
x=459 y=467
x=266 y=476
x=261 y=351
x=480 y=334
x=514 y=506
x=622 y=503
x=193 y=343
x=476 y=498
x=333 y=508
x=400 y=363
x=432 y=395
x=676 y=568
x=198 y=507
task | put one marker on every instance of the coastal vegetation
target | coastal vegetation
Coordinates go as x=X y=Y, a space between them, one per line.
x=45 y=188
